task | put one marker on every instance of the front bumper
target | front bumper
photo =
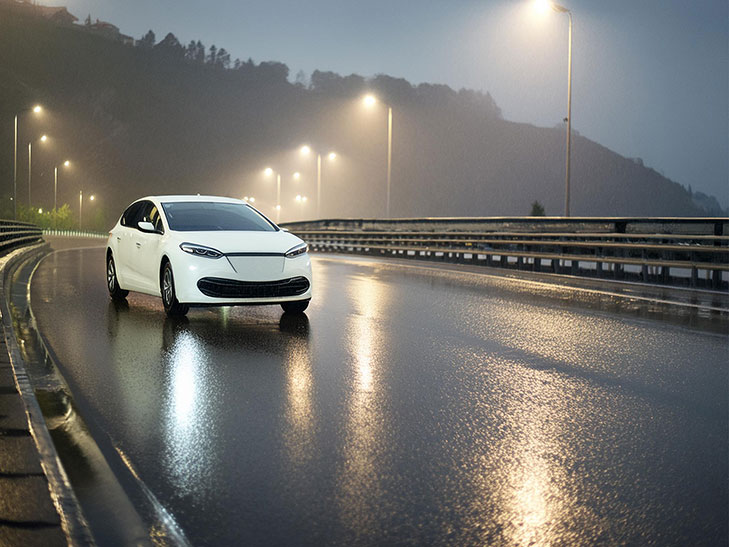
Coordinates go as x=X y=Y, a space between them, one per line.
x=190 y=270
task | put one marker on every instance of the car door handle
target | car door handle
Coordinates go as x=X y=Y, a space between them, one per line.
x=118 y=238
x=139 y=244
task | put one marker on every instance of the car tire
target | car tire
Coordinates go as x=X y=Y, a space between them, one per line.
x=172 y=306
x=112 y=282
x=295 y=307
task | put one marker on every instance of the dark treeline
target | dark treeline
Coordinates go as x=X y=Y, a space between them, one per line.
x=163 y=117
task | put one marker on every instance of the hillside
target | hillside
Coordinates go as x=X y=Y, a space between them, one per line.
x=144 y=120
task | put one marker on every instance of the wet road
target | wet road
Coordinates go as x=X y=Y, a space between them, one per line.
x=411 y=406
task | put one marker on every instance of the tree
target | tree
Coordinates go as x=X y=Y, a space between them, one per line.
x=171 y=46
x=213 y=55
x=537 y=210
x=223 y=59
x=148 y=40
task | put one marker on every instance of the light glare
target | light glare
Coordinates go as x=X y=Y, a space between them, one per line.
x=332 y=156
x=37 y=109
x=305 y=150
x=268 y=171
x=369 y=100
x=542 y=6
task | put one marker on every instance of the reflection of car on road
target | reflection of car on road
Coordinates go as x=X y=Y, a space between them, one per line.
x=206 y=251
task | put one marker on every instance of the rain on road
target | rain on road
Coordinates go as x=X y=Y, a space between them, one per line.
x=411 y=405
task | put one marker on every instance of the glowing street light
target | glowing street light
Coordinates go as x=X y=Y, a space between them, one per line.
x=305 y=151
x=92 y=197
x=37 y=109
x=55 y=191
x=268 y=172
x=543 y=6
x=297 y=175
x=43 y=138
x=369 y=102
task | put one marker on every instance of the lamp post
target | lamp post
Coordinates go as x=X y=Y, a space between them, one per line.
x=305 y=151
x=268 y=172
x=43 y=138
x=370 y=101
x=55 y=191
x=92 y=197
x=36 y=110
x=544 y=5
x=301 y=200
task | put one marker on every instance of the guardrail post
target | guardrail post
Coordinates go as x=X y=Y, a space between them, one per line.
x=718 y=231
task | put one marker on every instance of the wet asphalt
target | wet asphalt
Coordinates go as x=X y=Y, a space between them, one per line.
x=410 y=405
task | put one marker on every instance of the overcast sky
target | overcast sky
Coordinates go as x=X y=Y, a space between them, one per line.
x=650 y=77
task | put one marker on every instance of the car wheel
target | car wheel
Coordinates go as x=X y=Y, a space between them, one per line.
x=112 y=283
x=169 y=298
x=295 y=307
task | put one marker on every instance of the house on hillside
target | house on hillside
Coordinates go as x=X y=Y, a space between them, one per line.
x=58 y=15
x=109 y=31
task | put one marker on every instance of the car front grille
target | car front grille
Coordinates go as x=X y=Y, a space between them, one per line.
x=217 y=287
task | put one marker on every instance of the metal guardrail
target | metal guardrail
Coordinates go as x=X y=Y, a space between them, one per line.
x=690 y=252
x=75 y=233
x=15 y=234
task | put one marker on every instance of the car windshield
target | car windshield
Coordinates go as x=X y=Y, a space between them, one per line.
x=197 y=216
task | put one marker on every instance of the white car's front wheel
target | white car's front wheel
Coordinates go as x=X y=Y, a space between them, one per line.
x=112 y=283
x=169 y=297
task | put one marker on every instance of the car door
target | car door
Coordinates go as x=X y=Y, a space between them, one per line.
x=124 y=246
x=147 y=250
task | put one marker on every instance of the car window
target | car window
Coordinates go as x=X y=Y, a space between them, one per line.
x=150 y=213
x=206 y=216
x=130 y=217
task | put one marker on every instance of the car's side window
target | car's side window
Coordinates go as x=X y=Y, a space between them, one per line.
x=150 y=213
x=130 y=216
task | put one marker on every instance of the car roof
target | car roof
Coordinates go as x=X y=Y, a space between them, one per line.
x=191 y=198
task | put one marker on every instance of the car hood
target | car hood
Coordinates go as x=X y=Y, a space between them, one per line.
x=241 y=242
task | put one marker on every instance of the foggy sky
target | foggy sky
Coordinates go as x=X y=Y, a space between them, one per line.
x=650 y=77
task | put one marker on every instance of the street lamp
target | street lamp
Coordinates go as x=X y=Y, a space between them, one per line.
x=36 y=110
x=305 y=151
x=301 y=200
x=55 y=191
x=92 y=197
x=370 y=101
x=268 y=172
x=543 y=6
x=43 y=138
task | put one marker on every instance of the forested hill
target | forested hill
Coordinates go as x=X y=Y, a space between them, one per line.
x=161 y=118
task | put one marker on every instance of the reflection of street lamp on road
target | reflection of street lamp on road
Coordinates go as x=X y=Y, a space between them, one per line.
x=36 y=110
x=44 y=138
x=370 y=101
x=543 y=6
x=305 y=151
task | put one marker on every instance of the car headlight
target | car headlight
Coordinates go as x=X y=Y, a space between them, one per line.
x=200 y=250
x=297 y=251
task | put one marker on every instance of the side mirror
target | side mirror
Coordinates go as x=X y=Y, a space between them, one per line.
x=146 y=227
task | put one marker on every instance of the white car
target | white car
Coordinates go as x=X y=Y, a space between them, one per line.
x=206 y=251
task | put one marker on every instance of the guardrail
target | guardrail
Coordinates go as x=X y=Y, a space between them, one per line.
x=75 y=233
x=15 y=233
x=690 y=252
